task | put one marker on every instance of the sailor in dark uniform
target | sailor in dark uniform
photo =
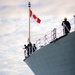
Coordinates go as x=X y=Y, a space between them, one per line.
x=66 y=26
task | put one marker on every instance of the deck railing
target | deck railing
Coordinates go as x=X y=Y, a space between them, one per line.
x=48 y=38
x=55 y=33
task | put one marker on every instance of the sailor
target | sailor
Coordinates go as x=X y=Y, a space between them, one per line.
x=34 y=47
x=30 y=48
x=66 y=26
x=27 y=50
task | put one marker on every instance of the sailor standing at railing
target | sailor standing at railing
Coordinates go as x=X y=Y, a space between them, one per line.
x=34 y=47
x=30 y=48
x=26 y=53
x=66 y=26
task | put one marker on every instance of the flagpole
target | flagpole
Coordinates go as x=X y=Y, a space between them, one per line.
x=29 y=5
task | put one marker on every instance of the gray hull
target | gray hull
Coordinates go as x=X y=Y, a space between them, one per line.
x=57 y=58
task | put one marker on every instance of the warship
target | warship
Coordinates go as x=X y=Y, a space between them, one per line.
x=55 y=56
x=55 y=53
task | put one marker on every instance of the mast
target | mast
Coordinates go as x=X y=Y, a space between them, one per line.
x=29 y=5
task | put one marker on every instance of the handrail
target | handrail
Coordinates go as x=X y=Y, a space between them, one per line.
x=48 y=38
x=55 y=33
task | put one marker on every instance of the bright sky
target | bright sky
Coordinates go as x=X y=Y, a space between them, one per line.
x=14 y=29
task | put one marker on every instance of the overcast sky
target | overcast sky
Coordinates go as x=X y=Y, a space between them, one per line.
x=14 y=15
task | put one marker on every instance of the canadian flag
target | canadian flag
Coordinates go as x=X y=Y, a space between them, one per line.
x=34 y=16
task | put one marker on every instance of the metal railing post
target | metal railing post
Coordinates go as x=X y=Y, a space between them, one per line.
x=74 y=22
x=45 y=39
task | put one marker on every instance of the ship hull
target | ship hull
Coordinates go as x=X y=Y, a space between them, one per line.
x=57 y=58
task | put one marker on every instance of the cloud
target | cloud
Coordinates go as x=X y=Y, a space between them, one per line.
x=11 y=2
x=14 y=21
x=53 y=7
x=45 y=8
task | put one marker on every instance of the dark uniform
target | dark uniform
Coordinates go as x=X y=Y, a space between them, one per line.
x=34 y=48
x=66 y=26
x=26 y=47
x=30 y=47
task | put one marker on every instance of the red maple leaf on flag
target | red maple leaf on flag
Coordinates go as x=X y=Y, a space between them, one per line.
x=34 y=16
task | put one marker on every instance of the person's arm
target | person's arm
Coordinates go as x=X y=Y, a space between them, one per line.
x=62 y=24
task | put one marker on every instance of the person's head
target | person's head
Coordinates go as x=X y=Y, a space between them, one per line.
x=34 y=44
x=25 y=45
x=65 y=19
